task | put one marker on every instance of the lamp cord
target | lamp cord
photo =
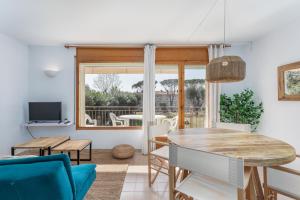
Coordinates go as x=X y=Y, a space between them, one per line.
x=203 y=20
x=224 y=39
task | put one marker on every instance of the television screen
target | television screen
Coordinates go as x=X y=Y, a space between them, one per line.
x=44 y=111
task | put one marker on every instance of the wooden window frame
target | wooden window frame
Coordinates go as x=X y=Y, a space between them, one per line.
x=180 y=56
x=282 y=96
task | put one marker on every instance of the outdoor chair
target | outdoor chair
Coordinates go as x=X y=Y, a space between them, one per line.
x=172 y=123
x=90 y=121
x=116 y=121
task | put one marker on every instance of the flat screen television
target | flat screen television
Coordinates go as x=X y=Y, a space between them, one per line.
x=44 y=111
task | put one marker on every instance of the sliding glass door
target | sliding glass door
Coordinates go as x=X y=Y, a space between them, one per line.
x=180 y=95
x=166 y=94
x=194 y=101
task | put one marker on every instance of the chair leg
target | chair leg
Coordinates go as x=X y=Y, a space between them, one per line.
x=156 y=174
x=265 y=185
x=241 y=194
x=177 y=174
x=149 y=168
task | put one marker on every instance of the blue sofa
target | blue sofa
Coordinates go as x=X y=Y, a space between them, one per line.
x=45 y=178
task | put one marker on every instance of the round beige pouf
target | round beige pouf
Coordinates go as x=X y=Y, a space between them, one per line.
x=123 y=151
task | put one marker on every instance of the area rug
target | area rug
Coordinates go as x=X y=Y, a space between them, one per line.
x=109 y=182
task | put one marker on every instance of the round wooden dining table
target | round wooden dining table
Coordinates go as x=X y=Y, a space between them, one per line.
x=255 y=149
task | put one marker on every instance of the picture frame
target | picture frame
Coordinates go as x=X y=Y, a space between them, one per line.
x=289 y=82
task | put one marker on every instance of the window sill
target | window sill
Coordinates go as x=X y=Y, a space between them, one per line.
x=109 y=128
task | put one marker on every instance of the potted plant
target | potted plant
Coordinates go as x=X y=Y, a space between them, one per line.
x=241 y=108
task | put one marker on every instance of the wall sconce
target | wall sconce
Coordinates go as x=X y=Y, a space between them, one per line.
x=52 y=71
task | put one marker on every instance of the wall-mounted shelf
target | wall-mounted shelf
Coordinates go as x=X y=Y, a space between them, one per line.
x=62 y=124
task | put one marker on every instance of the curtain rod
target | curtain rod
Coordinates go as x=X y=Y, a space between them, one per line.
x=141 y=45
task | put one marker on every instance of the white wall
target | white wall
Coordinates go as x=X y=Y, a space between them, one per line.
x=282 y=46
x=13 y=90
x=61 y=88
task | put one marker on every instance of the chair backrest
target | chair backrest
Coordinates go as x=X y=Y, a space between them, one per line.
x=157 y=130
x=285 y=181
x=223 y=168
x=113 y=118
x=88 y=119
x=234 y=126
x=172 y=123
x=27 y=174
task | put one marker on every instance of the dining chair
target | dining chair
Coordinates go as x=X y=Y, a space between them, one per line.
x=234 y=126
x=116 y=121
x=211 y=176
x=284 y=180
x=158 y=151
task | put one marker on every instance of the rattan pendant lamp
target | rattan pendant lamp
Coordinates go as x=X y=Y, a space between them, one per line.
x=225 y=68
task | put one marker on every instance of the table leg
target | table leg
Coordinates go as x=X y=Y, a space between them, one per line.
x=90 y=158
x=12 y=151
x=252 y=194
x=78 y=157
x=42 y=152
x=49 y=150
x=69 y=154
x=171 y=182
x=257 y=184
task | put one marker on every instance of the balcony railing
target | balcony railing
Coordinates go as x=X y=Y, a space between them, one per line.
x=194 y=116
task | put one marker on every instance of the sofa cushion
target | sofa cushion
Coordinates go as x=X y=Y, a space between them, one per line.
x=34 y=181
x=45 y=159
x=83 y=175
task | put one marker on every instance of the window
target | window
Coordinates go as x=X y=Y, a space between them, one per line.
x=112 y=95
x=109 y=87
x=166 y=94
x=195 y=91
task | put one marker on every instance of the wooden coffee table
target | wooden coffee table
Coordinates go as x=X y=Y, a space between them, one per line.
x=75 y=145
x=41 y=143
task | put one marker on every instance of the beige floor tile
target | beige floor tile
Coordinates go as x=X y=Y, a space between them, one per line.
x=127 y=196
x=142 y=187
x=128 y=187
x=163 y=195
x=130 y=178
x=150 y=195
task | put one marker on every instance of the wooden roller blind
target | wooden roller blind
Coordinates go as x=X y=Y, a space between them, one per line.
x=110 y=55
x=197 y=55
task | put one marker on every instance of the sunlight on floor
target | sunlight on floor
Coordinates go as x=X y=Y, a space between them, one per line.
x=136 y=185
x=112 y=168
x=137 y=169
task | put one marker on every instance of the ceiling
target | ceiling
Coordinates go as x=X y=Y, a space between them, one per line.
x=56 y=22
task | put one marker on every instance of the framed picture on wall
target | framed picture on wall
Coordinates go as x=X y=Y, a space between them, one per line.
x=289 y=82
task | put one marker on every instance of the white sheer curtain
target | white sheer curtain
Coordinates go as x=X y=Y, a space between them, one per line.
x=214 y=90
x=149 y=91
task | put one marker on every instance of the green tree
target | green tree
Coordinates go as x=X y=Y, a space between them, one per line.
x=106 y=82
x=195 y=91
x=138 y=86
x=171 y=88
